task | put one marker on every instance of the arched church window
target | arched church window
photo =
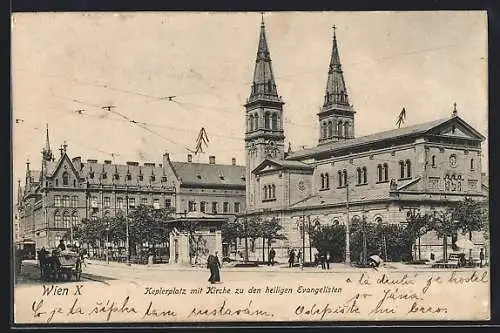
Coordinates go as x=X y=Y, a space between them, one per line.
x=340 y=129
x=255 y=122
x=408 y=169
x=365 y=180
x=346 y=129
x=250 y=123
x=401 y=169
x=386 y=172
x=472 y=165
x=433 y=161
x=274 y=122
x=273 y=193
x=340 y=178
x=267 y=120
x=344 y=174
x=324 y=130
x=264 y=189
x=327 y=181
x=65 y=178
x=358 y=171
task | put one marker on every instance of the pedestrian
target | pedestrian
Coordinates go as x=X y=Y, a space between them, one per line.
x=328 y=260
x=481 y=258
x=322 y=259
x=61 y=245
x=433 y=257
x=272 y=254
x=213 y=264
x=291 y=258
x=299 y=257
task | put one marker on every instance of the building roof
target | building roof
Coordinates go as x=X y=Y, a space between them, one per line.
x=283 y=164
x=209 y=174
x=377 y=137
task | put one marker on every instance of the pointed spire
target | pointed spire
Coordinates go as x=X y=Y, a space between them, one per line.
x=336 y=91
x=263 y=85
x=46 y=152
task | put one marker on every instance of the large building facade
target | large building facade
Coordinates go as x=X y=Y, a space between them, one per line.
x=65 y=190
x=381 y=177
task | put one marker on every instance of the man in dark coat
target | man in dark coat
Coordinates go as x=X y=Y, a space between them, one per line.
x=61 y=245
x=272 y=254
x=213 y=264
x=481 y=258
x=291 y=258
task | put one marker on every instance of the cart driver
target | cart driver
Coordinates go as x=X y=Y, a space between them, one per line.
x=61 y=245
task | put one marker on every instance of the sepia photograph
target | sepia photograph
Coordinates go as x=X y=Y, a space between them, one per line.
x=250 y=167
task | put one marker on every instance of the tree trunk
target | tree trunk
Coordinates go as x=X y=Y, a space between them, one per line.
x=263 y=249
x=419 y=249
x=470 y=250
x=445 y=249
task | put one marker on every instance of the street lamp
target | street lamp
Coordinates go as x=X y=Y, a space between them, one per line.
x=107 y=242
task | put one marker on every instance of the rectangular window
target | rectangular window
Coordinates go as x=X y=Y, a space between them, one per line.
x=119 y=203
x=144 y=201
x=225 y=207
x=156 y=203
x=191 y=206
x=74 y=201
x=202 y=206
x=65 y=201
x=57 y=200
x=131 y=203
x=168 y=203
x=236 y=207
x=214 y=207
x=107 y=202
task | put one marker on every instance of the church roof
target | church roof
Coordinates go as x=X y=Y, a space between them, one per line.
x=394 y=134
x=209 y=174
x=282 y=164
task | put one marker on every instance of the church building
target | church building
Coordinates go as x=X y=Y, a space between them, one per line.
x=381 y=177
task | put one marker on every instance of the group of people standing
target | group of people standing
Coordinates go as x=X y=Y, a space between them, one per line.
x=294 y=257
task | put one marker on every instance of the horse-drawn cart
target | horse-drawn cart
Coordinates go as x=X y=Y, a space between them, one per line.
x=60 y=265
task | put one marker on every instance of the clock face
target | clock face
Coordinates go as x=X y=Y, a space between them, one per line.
x=301 y=186
x=453 y=160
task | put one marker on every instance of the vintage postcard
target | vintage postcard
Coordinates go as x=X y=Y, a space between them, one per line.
x=227 y=167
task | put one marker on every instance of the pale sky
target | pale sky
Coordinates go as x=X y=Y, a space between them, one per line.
x=63 y=62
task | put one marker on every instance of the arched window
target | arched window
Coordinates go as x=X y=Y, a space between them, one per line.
x=74 y=218
x=273 y=191
x=57 y=219
x=378 y=220
x=340 y=178
x=322 y=181
x=57 y=182
x=386 y=172
x=330 y=129
x=327 y=181
x=250 y=123
x=472 y=166
x=358 y=171
x=264 y=189
x=365 y=180
x=275 y=121
x=267 y=120
x=324 y=130
x=74 y=182
x=65 y=178
x=402 y=169
x=344 y=174
x=340 y=129
x=408 y=169
x=379 y=173
x=346 y=129
x=255 y=122
x=433 y=161
x=66 y=220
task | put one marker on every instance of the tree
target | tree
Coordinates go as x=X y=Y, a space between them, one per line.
x=270 y=231
x=248 y=228
x=329 y=238
x=470 y=216
x=147 y=224
x=444 y=225
x=195 y=243
x=417 y=225
x=230 y=233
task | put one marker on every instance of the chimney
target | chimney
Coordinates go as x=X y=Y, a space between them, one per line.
x=190 y=158
x=107 y=161
x=91 y=161
x=211 y=159
x=132 y=163
x=233 y=161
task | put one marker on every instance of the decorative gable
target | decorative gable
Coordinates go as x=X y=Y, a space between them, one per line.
x=457 y=128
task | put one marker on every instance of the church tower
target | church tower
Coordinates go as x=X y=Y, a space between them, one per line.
x=264 y=136
x=336 y=118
